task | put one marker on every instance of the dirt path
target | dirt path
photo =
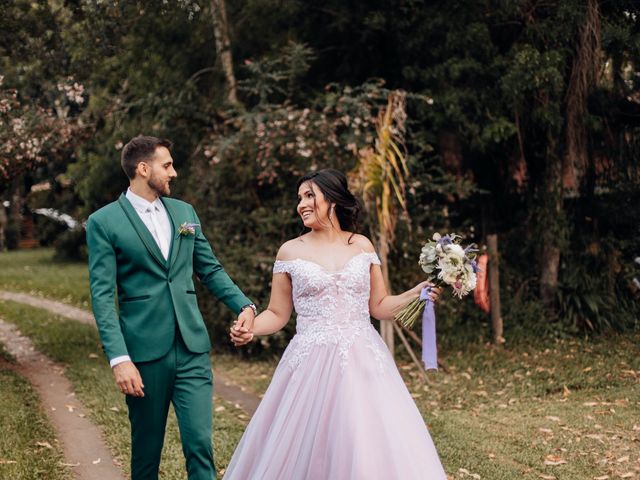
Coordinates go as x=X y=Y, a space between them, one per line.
x=223 y=385
x=58 y=308
x=81 y=440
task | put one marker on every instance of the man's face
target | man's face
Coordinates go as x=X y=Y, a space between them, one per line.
x=161 y=172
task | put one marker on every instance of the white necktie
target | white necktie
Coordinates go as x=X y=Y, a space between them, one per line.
x=161 y=240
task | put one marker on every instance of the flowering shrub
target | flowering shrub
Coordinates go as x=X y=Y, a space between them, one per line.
x=31 y=134
x=290 y=140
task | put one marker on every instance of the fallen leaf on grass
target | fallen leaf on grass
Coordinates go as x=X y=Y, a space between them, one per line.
x=70 y=408
x=602 y=477
x=220 y=409
x=93 y=355
x=44 y=444
x=545 y=430
x=95 y=462
x=554 y=460
x=7 y=462
x=114 y=409
x=552 y=418
x=547 y=477
x=623 y=459
x=466 y=473
x=590 y=404
x=628 y=475
x=69 y=464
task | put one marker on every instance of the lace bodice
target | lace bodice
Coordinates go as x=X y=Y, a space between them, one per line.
x=332 y=307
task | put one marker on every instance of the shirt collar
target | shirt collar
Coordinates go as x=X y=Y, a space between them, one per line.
x=142 y=205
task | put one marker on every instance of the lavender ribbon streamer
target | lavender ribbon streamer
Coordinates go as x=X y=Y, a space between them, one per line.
x=429 y=348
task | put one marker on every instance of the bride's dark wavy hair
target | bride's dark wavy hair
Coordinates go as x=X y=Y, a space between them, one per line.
x=333 y=185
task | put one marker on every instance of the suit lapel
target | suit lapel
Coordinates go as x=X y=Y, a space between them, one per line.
x=175 y=237
x=142 y=230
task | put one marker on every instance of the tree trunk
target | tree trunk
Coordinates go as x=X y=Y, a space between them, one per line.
x=15 y=212
x=494 y=288
x=552 y=224
x=584 y=73
x=223 y=47
x=549 y=274
x=386 y=327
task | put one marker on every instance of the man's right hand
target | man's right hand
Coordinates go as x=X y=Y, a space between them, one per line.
x=128 y=379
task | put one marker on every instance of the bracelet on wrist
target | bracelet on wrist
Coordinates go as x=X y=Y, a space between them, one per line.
x=253 y=307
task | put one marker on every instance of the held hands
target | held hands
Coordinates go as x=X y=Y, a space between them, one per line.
x=434 y=293
x=128 y=379
x=242 y=330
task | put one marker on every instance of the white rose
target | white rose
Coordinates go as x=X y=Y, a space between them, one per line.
x=454 y=249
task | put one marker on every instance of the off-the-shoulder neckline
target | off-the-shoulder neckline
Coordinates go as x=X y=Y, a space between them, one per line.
x=324 y=269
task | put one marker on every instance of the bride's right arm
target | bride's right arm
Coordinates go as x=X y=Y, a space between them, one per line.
x=280 y=307
x=274 y=317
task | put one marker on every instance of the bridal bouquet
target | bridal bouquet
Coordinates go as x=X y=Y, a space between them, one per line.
x=445 y=261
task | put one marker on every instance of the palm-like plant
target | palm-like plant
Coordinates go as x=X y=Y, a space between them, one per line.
x=381 y=176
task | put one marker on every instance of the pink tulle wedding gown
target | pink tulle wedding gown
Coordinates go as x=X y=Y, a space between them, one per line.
x=336 y=407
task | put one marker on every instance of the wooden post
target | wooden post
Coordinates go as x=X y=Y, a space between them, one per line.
x=4 y=222
x=416 y=360
x=386 y=328
x=494 y=288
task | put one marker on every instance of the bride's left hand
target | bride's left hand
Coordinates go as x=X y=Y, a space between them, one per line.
x=434 y=292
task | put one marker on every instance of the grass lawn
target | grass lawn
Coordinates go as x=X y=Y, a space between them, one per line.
x=563 y=409
x=36 y=272
x=77 y=347
x=536 y=409
x=28 y=448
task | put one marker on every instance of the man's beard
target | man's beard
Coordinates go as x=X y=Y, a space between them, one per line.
x=158 y=187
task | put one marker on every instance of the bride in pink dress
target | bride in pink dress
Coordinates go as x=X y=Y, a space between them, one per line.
x=336 y=407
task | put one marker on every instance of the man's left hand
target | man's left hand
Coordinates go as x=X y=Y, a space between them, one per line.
x=242 y=329
x=245 y=320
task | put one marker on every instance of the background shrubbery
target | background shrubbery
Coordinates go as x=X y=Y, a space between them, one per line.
x=522 y=121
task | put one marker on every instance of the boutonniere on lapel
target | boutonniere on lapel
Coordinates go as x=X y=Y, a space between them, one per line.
x=188 y=228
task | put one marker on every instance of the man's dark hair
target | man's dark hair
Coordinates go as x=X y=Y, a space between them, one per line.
x=138 y=150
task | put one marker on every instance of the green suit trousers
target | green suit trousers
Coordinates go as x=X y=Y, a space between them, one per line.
x=184 y=379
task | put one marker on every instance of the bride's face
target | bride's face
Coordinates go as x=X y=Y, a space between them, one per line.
x=313 y=207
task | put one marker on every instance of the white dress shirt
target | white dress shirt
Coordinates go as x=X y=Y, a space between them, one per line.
x=156 y=219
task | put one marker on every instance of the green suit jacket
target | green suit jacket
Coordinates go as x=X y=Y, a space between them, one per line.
x=154 y=294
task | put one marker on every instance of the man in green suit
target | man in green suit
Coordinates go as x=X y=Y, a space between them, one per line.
x=144 y=248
